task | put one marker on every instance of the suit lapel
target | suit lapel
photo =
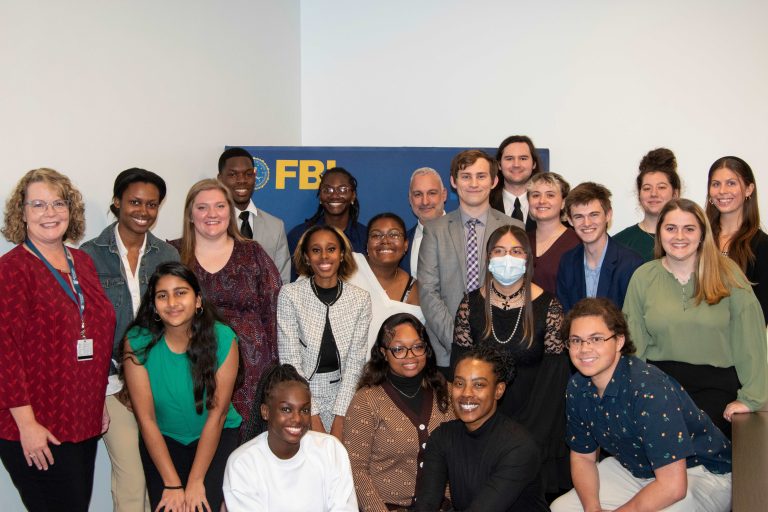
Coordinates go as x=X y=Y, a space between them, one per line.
x=607 y=270
x=459 y=244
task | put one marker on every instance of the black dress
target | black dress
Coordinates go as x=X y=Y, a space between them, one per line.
x=536 y=397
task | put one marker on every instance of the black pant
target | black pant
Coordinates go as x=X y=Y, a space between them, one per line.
x=67 y=484
x=183 y=455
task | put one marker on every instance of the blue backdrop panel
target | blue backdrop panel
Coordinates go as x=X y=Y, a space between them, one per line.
x=288 y=177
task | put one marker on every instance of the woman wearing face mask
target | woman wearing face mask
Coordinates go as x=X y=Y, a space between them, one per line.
x=516 y=316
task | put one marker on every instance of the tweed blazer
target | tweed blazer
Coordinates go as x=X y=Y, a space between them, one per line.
x=442 y=274
x=384 y=440
x=300 y=325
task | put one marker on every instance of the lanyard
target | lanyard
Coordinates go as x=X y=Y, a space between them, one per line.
x=79 y=300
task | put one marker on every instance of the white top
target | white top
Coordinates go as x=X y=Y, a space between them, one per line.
x=317 y=479
x=132 y=282
x=415 y=245
x=382 y=307
x=509 y=203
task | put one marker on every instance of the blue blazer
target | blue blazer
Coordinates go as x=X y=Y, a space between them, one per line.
x=618 y=266
x=405 y=263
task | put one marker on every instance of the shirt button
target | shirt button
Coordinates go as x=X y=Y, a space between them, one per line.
x=422 y=427
x=421 y=464
x=423 y=445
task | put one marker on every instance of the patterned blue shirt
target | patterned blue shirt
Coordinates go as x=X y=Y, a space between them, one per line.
x=645 y=419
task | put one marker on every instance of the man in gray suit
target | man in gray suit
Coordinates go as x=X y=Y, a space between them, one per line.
x=237 y=173
x=452 y=254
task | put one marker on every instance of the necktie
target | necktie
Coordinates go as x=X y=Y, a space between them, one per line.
x=245 y=227
x=473 y=262
x=517 y=212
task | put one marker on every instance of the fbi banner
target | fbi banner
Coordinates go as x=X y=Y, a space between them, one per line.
x=287 y=177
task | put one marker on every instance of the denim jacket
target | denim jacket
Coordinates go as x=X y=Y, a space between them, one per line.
x=106 y=257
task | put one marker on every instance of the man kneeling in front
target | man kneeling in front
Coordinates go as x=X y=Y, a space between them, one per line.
x=666 y=454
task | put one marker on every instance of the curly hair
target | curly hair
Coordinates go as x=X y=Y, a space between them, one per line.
x=610 y=314
x=354 y=208
x=202 y=342
x=272 y=376
x=347 y=267
x=375 y=370
x=15 y=229
x=503 y=363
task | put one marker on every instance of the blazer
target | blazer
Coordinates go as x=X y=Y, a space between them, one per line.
x=269 y=231
x=300 y=326
x=405 y=263
x=442 y=274
x=497 y=203
x=618 y=266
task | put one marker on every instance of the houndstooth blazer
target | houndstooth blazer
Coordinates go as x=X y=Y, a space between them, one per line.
x=300 y=325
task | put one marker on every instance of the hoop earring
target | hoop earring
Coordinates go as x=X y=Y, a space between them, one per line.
x=157 y=318
x=711 y=201
x=199 y=311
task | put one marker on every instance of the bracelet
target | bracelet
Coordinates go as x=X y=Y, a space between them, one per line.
x=173 y=487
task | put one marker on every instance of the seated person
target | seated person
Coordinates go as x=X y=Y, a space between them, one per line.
x=598 y=267
x=489 y=461
x=666 y=454
x=287 y=467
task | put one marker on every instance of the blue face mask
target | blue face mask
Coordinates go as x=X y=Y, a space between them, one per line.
x=506 y=269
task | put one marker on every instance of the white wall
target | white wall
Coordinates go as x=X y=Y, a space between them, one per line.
x=599 y=83
x=91 y=88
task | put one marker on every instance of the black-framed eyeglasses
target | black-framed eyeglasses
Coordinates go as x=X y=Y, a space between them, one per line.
x=392 y=236
x=341 y=189
x=576 y=342
x=417 y=350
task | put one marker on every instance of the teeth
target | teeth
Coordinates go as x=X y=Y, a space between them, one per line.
x=468 y=407
x=294 y=430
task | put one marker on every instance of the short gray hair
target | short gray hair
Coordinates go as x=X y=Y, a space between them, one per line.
x=426 y=171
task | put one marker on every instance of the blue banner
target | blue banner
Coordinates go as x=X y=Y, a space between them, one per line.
x=287 y=177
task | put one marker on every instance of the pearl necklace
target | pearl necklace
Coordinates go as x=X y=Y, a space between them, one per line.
x=517 y=322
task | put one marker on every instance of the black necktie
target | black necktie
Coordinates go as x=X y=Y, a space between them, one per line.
x=517 y=213
x=245 y=227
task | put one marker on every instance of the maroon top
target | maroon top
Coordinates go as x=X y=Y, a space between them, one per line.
x=38 y=347
x=545 y=266
x=245 y=293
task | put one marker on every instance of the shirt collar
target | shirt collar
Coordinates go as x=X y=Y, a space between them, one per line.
x=122 y=249
x=251 y=209
x=483 y=217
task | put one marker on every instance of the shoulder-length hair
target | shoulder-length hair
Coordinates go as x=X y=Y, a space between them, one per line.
x=203 y=344
x=347 y=267
x=522 y=237
x=740 y=249
x=187 y=252
x=15 y=229
x=714 y=276
x=375 y=370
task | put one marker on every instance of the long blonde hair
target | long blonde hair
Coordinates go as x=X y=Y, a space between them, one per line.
x=187 y=252
x=715 y=273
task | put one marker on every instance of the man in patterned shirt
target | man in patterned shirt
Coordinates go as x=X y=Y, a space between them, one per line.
x=666 y=454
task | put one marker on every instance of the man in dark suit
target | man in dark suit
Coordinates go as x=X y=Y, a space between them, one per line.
x=452 y=257
x=599 y=267
x=236 y=172
x=518 y=160
x=426 y=195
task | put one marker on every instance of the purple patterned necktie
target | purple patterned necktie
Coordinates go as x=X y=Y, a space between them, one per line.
x=473 y=262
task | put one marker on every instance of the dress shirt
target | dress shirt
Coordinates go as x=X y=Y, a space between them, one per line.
x=509 y=203
x=592 y=275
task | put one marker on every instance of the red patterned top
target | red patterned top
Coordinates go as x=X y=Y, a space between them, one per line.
x=39 y=329
x=245 y=294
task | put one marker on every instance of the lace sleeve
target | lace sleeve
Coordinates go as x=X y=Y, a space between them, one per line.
x=553 y=342
x=462 y=335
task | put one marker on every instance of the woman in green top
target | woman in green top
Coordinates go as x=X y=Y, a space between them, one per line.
x=693 y=314
x=185 y=363
x=657 y=183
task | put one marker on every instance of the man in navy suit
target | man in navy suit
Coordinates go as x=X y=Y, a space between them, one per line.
x=599 y=267
x=426 y=195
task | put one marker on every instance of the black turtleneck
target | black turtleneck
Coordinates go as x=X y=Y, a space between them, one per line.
x=410 y=389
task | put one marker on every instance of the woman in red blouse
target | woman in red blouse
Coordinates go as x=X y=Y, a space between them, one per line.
x=55 y=347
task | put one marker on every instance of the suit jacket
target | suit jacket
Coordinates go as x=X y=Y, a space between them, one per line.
x=269 y=231
x=618 y=266
x=405 y=263
x=497 y=203
x=442 y=274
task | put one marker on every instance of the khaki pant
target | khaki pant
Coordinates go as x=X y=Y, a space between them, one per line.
x=129 y=489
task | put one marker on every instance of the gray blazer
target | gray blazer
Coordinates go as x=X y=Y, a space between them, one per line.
x=442 y=274
x=269 y=231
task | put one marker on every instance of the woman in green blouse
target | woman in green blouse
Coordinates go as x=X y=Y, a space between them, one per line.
x=693 y=314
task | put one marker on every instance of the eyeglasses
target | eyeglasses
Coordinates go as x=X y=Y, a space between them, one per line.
x=39 y=206
x=402 y=352
x=341 y=189
x=517 y=251
x=576 y=342
x=392 y=236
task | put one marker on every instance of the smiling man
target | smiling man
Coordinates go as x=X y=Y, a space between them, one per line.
x=237 y=173
x=598 y=267
x=665 y=453
x=518 y=161
x=490 y=462
x=426 y=195
x=452 y=253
